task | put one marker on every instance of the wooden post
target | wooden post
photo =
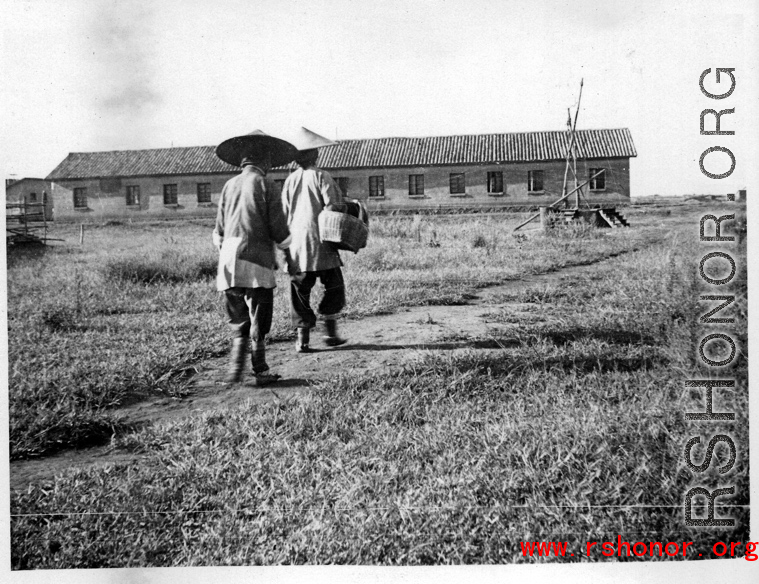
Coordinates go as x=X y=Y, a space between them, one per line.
x=81 y=234
x=26 y=225
x=78 y=295
x=44 y=217
x=544 y=220
x=578 y=190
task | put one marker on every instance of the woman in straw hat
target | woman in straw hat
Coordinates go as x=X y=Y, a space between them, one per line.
x=305 y=193
x=249 y=223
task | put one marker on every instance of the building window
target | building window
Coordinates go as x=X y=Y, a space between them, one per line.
x=597 y=183
x=204 y=192
x=535 y=181
x=416 y=185
x=342 y=182
x=32 y=197
x=495 y=182
x=169 y=194
x=458 y=183
x=132 y=195
x=376 y=186
x=80 y=197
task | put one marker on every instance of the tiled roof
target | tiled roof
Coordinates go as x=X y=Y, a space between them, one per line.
x=375 y=152
x=15 y=181
x=159 y=161
x=476 y=149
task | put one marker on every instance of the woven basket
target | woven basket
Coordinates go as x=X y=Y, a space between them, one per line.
x=342 y=230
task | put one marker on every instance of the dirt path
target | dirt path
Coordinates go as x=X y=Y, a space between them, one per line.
x=374 y=343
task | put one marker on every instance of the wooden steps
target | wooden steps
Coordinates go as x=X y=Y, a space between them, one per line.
x=613 y=218
x=607 y=217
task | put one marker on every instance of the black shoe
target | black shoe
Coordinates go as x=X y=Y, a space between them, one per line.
x=237 y=360
x=265 y=378
x=304 y=337
x=331 y=339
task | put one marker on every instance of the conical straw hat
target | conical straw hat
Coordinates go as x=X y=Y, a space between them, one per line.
x=305 y=139
x=235 y=149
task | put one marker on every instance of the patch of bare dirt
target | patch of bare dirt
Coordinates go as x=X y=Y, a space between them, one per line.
x=374 y=343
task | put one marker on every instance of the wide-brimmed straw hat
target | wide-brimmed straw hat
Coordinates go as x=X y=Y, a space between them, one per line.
x=305 y=139
x=254 y=145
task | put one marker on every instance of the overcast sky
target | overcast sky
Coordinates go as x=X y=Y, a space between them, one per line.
x=105 y=75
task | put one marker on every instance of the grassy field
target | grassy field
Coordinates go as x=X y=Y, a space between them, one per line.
x=125 y=315
x=573 y=433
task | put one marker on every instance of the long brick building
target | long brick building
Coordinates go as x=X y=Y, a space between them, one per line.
x=516 y=169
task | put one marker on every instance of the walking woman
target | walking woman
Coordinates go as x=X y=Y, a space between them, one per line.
x=249 y=224
x=305 y=193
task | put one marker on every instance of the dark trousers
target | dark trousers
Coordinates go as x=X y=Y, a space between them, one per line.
x=250 y=311
x=300 y=295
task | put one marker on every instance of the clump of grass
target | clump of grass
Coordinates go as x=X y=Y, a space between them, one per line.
x=73 y=429
x=426 y=320
x=60 y=318
x=575 y=230
x=398 y=227
x=540 y=294
x=169 y=265
x=375 y=260
x=479 y=241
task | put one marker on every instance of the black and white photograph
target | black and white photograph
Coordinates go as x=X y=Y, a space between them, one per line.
x=421 y=290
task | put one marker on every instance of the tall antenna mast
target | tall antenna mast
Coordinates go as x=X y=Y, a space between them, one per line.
x=574 y=157
x=566 y=155
x=608 y=215
x=570 y=152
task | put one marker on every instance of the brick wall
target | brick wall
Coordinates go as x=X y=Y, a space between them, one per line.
x=437 y=183
x=107 y=198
